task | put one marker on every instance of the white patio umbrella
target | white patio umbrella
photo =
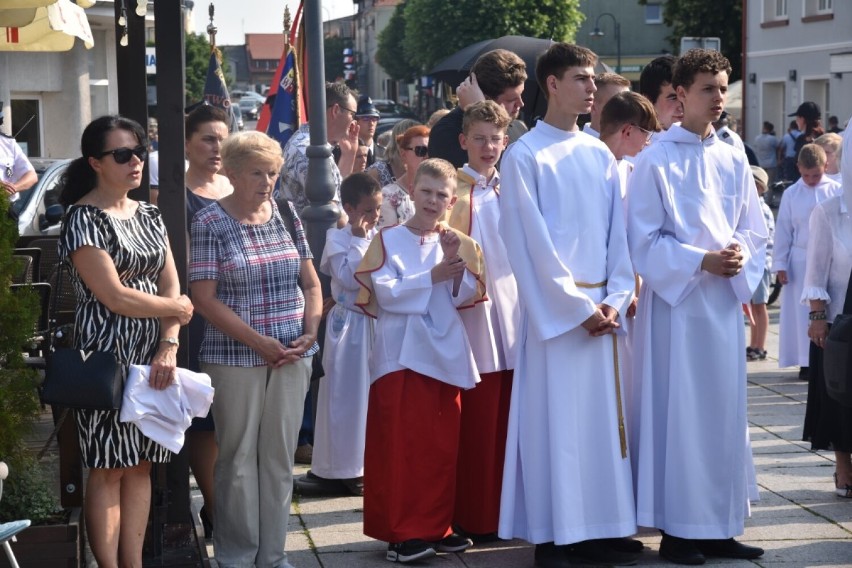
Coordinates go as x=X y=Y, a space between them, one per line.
x=44 y=25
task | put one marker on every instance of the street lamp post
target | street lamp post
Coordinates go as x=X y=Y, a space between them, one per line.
x=321 y=214
x=598 y=33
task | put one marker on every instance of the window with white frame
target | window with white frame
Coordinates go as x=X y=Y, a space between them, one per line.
x=818 y=7
x=774 y=10
x=653 y=14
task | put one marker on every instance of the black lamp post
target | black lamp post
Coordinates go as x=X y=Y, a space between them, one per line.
x=598 y=33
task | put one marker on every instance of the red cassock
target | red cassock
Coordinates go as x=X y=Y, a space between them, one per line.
x=410 y=457
x=482 y=447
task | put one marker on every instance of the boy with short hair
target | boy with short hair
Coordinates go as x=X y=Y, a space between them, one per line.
x=697 y=239
x=628 y=122
x=655 y=83
x=567 y=483
x=608 y=85
x=760 y=315
x=491 y=325
x=497 y=75
x=831 y=143
x=414 y=278
x=341 y=421
x=792 y=229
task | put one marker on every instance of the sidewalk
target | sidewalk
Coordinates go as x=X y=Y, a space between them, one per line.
x=799 y=520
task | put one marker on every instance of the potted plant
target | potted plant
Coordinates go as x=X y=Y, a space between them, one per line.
x=54 y=540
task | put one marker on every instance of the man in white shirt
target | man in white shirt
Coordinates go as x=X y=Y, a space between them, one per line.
x=567 y=483
x=16 y=172
x=697 y=239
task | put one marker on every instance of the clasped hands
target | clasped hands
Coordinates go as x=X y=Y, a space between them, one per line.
x=276 y=354
x=727 y=262
x=602 y=322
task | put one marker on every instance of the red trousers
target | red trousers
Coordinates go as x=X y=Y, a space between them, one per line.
x=482 y=447
x=410 y=457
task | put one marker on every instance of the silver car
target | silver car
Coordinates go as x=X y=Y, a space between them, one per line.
x=37 y=210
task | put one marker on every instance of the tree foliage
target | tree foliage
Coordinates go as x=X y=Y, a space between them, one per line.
x=435 y=29
x=391 y=52
x=699 y=18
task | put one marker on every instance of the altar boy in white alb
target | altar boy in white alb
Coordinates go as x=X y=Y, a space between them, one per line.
x=567 y=483
x=341 y=423
x=697 y=238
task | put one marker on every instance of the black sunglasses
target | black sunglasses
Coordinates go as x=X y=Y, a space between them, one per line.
x=420 y=151
x=123 y=155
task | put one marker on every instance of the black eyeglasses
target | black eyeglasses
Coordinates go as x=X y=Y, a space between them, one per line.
x=349 y=110
x=123 y=155
x=420 y=151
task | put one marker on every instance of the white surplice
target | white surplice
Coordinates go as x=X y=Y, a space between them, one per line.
x=693 y=466
x=418 y=326
x=492 y=325
x=341 y=422
x=790 y=253
x=561 y=219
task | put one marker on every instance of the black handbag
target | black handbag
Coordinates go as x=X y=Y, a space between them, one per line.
x=837 y=354
x=88 y=380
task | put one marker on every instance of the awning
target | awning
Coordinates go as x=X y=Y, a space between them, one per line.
x=52 y=27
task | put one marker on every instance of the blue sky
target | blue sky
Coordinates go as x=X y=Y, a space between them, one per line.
x=235 y=18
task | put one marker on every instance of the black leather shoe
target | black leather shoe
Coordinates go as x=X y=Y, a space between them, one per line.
x=310 y=484
x=624 y=544
x=728 y=548
x=354 y=485
x=548 y=555
x=597 y=552
x=681 y=551
x=478 y=538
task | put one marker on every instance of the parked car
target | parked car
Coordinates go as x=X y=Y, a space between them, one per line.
x=238 y=116
x=250 y=107
x=37 y=210
x=386 y=124
x=240 y=95
x=389 y=109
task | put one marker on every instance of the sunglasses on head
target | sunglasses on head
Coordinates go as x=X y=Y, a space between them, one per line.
x=420 y=151
x=123 y=155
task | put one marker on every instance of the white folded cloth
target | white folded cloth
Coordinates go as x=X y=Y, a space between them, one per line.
x=164 y=415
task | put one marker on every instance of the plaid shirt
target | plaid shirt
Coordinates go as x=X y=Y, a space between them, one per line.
x=256 y=268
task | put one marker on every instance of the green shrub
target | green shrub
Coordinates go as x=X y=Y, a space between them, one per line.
x=26 y=494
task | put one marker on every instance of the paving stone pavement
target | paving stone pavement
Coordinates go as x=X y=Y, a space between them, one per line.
x=798 y=521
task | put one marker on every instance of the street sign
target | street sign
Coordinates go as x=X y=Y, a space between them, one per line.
x=687 y=43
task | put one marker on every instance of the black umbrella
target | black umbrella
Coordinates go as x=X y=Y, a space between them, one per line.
x=455 y=68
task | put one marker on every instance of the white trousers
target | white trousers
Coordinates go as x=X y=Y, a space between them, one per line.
x=258 y=412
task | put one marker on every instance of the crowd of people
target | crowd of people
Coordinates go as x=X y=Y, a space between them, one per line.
x=534 y=335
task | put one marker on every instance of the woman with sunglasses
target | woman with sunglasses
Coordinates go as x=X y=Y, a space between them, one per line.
x=128 y=303
x=397 y=206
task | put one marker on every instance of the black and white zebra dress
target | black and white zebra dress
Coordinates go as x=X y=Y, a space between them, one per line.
x=137 y=246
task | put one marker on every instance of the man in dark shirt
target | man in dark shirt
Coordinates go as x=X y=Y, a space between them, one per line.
x=497 y=75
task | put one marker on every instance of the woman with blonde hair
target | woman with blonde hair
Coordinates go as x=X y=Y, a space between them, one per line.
x=390 y=167
x=254 y=282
